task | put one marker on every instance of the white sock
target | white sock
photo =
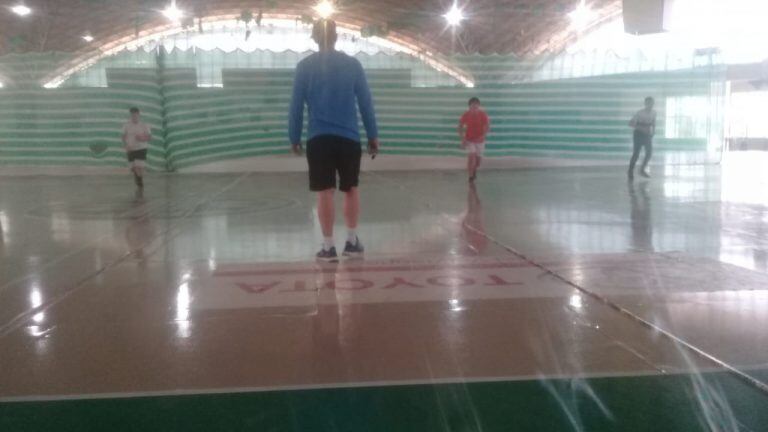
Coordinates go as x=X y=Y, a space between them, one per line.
x=328 y=243
x=352 y=236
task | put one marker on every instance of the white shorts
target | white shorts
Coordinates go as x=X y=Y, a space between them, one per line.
x=475 y=148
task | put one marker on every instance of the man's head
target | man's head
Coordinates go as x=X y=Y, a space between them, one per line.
x=649 y=103
x=474 y=103
x=324 y=34
x=135 y=114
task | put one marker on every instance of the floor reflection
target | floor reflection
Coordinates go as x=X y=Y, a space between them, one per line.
x=328 y=324
x=229 y=271
x=640 y=217
x=140 y=230
x=760 y=259
x=2 y=238
x=473 y=224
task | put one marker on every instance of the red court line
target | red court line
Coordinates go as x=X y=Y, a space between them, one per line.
x=678 y=340
x=331 y=268
x=325 y=268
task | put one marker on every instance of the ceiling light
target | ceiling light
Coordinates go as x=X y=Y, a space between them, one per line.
x=172 y=12
x=582 y=15
x=21 y=10
x=325 y=9
x=454 y=16
x=88 y=38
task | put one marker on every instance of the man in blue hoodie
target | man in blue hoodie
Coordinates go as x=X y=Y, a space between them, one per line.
x=333 y=85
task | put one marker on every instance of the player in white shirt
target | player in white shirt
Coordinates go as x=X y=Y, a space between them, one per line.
x=644 y=125
x=136 y=138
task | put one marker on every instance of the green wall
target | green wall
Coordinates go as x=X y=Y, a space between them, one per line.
x=582 y=118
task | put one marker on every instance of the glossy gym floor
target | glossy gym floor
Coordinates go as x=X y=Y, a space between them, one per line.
x=546 y=299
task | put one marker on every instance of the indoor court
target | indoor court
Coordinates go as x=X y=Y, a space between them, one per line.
x=552 y=293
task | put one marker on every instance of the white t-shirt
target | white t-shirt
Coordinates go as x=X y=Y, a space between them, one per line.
x=132 y=130
x=644 y=121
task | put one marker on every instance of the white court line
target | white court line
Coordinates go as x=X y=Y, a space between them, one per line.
x=645 y=323
x=19 y=319
x=761 y=386
x=457 y=380
x=345 y=385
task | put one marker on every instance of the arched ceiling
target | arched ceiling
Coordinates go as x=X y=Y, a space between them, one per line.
x=520 y=27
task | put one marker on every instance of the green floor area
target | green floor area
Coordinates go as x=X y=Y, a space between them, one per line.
x=709 y=402
x=758 y=374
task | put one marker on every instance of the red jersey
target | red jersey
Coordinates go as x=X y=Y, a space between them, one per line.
x=476 y=123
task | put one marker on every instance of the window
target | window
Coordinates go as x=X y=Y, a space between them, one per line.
x=747 y=114
x=687 y=117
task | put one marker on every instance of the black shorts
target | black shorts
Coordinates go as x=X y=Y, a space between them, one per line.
x=331 y=154
x=137 y=155
x=641 y=139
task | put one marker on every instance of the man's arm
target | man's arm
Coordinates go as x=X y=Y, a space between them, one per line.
x=296 y=110
x=125 y=137
x=367 y=112
x=633 y=121
x=147 y=137
x=462 y=129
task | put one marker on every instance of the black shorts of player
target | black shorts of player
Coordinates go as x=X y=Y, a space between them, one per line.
x=331 y=154
x=137 y=155
x=641 y=139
